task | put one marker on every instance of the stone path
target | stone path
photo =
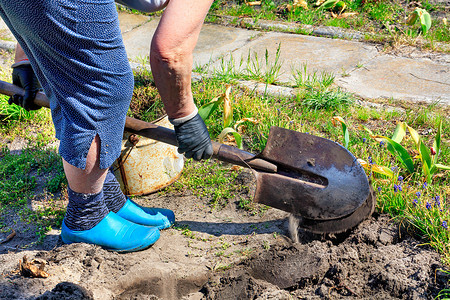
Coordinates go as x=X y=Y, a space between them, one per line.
x=359 y=67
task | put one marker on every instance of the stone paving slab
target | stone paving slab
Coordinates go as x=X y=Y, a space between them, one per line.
x=214 y=41
x=358 y=67
x=129 y=22
x=388 y=76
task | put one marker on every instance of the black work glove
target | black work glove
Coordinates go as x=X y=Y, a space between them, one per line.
x=23 y=76
x=193 y=138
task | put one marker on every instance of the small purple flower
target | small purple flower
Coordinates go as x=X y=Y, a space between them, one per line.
x=428 y=205
x=424 y=185
x=382 y=143
x=364 y=140
x=400 y=178
x=444 y=224
x=379 y=189
x=436 y=201
x=394 y=168
x=395 y=188
x=370 y=160
x=418 y=194
x=400 y=188
x=415 y=202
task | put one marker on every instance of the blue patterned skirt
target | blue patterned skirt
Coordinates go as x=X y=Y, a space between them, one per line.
x=76 y=50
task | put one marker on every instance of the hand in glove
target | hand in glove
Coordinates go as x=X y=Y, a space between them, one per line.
x=24 y=77
x=193 y=137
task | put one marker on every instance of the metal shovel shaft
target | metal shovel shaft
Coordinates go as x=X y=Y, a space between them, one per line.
x=306 y=175
x=221 y=152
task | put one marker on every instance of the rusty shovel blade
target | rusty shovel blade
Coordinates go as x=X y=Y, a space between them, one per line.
x=316 y=178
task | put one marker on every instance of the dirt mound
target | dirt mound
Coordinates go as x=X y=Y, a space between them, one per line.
x=231 y=254
x=371 y=262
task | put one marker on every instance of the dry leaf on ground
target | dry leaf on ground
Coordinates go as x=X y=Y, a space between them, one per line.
x=29 y=269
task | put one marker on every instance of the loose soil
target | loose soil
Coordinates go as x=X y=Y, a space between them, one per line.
x=228 y=254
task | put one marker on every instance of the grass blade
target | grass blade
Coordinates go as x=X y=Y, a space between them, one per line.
x=442 y=167
x=377 y=169
x=344 y=129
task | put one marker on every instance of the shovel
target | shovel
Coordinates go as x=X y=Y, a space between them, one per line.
x=311 y=177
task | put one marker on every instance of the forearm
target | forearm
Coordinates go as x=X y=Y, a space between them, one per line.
x=173 y=80
x=171 y=54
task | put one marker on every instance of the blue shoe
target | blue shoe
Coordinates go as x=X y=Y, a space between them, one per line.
x=113 y=233
x=159 y=217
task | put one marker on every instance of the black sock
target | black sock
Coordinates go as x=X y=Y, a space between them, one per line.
x=84 y=211
x=113 y=195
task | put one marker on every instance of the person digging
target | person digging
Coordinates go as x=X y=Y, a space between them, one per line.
x=74 y=49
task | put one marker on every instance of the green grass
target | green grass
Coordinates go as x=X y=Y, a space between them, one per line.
x=212 y=181
x=318 y=101
x=253 y=67
x=19 y=171
x=18 y=186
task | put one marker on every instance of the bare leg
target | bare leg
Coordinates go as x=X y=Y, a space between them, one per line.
x=171 y=54
x=90 y=180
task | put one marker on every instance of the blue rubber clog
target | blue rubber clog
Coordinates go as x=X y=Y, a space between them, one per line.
x=113 y=233
x=159 y=217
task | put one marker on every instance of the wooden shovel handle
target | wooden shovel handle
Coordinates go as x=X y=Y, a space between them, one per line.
x=221 y=152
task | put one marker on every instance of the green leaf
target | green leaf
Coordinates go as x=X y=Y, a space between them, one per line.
x=238 y=139
x=400 y=132
x=346 y=135
x=423 y=16
x=442 y=167
x=425 y=20
x=437 y=142
x=329 y=4
x=237 y=136
x=425 y=155
x=367 y=129
x=412 y=18
x=400 y=153
x=206 y=110
x=426 y=172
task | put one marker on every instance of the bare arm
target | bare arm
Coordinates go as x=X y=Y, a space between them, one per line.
x=171 y=53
